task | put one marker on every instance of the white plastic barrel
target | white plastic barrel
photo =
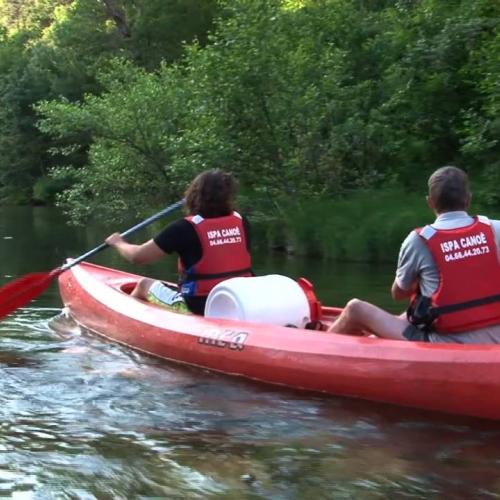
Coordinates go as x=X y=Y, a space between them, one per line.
x=272 y=299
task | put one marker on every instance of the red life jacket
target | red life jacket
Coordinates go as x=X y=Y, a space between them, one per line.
x=224 y=254
x=468 y=296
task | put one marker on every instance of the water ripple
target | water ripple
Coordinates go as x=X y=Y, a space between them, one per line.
x=81 y=418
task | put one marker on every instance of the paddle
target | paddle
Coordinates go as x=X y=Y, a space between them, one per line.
x=22 y=290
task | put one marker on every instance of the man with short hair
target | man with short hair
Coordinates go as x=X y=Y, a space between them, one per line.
x=449 y=270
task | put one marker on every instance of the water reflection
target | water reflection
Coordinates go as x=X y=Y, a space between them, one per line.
x=40 y=240
x=93 y=420
x=81 y=418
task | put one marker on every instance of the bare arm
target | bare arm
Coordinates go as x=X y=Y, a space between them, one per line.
x=137 y=254
x=400 y=294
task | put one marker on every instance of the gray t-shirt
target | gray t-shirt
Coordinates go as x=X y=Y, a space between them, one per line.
x=415 y=262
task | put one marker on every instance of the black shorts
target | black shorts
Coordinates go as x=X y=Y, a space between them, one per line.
x=415 y=334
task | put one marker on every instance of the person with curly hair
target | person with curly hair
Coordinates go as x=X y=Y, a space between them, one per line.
x=212 y=243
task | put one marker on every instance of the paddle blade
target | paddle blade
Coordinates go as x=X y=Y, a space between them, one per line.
x=22 y=290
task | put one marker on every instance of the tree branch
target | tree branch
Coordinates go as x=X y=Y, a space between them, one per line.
x=117 y=14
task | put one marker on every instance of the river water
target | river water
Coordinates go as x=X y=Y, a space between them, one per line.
x=85 y=419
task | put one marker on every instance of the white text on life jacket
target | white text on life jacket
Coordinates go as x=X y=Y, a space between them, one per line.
x=225 y=236
x=468 y=246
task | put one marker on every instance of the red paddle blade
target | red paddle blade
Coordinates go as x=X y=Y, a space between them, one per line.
x=22 y=290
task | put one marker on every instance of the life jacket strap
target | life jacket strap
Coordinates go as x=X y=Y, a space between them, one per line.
x=187 y=276
x=437 y=311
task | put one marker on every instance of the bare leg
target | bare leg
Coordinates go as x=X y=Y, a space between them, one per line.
x=142 y=288
x=359 y=315
x=347 y=323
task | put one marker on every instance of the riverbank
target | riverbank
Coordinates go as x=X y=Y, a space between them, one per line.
x=367 y=226
x=364 y=227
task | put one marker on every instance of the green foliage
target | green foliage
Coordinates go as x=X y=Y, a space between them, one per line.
x=305 y=101
x=290 y=108
x=28 y=17
x=365 y=226
x=53 y=49
x=46 y=189
x=481 y=125
x=132 y=126
x=160 y=28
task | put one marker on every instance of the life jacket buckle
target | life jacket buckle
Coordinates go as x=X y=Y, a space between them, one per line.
x=420 y=312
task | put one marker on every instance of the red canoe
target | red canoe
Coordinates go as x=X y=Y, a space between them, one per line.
x=451 y=378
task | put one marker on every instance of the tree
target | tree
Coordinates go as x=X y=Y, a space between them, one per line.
x=52 y=49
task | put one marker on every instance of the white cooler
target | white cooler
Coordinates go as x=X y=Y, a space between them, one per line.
x=273 y=299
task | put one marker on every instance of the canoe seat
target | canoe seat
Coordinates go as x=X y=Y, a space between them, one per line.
x=128 y=287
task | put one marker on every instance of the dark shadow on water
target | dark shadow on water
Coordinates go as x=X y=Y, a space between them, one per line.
x=13 y=359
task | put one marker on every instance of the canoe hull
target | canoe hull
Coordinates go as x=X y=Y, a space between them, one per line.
x=457 y=379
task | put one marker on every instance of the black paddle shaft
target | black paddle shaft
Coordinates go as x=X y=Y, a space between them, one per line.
x=126 y=233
